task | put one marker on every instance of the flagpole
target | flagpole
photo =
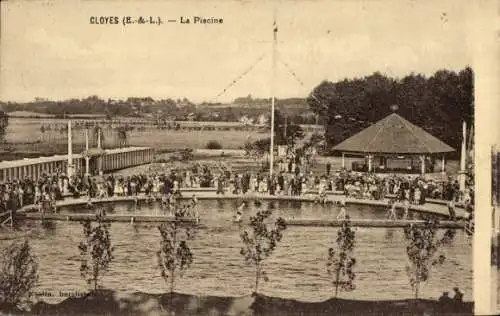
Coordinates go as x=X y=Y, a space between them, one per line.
x=271 y=149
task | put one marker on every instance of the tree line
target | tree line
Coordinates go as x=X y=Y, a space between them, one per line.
x=165 y=109
x=438 y=103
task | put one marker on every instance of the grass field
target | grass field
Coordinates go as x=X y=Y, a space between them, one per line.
x=25 y=135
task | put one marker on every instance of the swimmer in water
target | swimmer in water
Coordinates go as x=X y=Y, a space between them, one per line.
x=164 y=201
x=406 y=204
x=239 y=213
x=342 y=214
x=89 y=202
x=391 y=212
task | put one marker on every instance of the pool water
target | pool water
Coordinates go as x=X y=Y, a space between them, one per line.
x=296 y=270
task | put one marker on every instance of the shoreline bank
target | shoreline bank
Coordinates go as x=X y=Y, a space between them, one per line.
x=107 y=302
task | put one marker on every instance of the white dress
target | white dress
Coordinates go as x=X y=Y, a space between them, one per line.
x=417 y=196
x=253 y=184
x=189 y=182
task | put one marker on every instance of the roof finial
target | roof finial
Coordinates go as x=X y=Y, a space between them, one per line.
x=394 y=107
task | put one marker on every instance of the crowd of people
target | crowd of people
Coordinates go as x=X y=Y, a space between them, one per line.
x=457 y=297
x=166 y=184
x=46 y=189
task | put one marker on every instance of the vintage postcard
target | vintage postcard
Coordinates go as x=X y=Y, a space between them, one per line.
x=247 y=158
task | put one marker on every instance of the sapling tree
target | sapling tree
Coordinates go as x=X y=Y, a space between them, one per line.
x=174 y=256
x=341 y=262
x=261 y=243
x=423 y=251
x=18 y=274
x=95 y=250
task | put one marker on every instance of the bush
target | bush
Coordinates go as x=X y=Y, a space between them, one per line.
x=18 y=274
x=186 y=154
x=213 y=144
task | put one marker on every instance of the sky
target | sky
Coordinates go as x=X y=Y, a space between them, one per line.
x=49 y=49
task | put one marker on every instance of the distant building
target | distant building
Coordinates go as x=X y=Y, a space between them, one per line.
x=191 y=116
x=262 y=120
x=246 y=120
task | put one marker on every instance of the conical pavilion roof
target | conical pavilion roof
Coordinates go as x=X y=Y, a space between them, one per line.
x=393 y=135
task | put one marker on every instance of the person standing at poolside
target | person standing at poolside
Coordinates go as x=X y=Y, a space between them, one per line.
x=20 y=194
x=451 y=209
x=459 y=296
x=417 y=195
x=220 y=186
x=321 y=192
x=172 y=200
x=116 y=189
x=194 y=207
x=176 y=186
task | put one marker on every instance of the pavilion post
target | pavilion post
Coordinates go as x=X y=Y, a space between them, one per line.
x=87 y=158
x=99 y=138
x=442 y=164
x=369 y=163
x=422 y=160
x=100 y=157
x=343 y=161
x=69 y=170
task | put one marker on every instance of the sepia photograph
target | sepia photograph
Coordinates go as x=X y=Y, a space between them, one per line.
x=239 y=158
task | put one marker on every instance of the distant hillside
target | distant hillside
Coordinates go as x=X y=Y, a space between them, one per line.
x=290 y=103
x=180 y=109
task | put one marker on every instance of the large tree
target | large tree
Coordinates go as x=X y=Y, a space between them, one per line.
x=4 y=122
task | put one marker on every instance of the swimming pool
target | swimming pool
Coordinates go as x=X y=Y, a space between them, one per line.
x=296 y=270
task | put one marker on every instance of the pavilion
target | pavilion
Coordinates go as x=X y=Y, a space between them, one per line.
x=393 y=139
